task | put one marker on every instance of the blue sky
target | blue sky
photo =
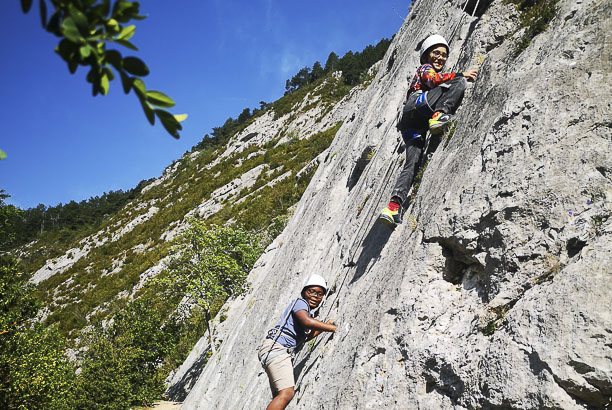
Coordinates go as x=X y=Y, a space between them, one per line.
x=213 y=57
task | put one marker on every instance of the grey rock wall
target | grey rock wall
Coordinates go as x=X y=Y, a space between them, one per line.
x=495 y=291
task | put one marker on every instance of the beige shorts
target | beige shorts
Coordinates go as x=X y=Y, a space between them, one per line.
x=280 y=369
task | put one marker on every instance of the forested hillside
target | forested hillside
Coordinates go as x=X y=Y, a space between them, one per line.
x=63 y=222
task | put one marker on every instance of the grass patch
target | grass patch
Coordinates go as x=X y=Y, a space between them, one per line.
x=497 y=315
x=534 y=17
x=552 y=267
x=449 y=133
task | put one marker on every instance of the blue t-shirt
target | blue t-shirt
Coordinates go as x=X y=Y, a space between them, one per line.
x=293 y=331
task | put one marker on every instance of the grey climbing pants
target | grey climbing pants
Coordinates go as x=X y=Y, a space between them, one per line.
x=446 y=98
x=414 y=151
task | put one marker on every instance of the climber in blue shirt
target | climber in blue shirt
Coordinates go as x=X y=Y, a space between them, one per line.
x=295 y=327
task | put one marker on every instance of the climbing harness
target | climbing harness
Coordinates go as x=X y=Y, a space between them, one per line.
x=422 y=106
x=274 y=333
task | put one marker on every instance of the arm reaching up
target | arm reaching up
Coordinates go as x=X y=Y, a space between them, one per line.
x=315 y=325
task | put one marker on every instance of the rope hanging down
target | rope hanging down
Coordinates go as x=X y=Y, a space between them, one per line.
x=456 y=27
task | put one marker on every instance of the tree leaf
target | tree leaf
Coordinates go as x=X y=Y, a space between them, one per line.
x=114 y=57
x=92 y=76
x=72 y=66
x=120 y=6
x=160 y=99
x=53 y=25
x=79 y=18
x=43 y=13
x=95 y=78
x=104 y=84
x=99 y=52
x=127 y=33
x=70 y=30
x=2 y=154
x=126 y=44
x=139 y=88
x=123 y=11
x=135 y=66
x=112 y=25
x=66 y=49
x=85 y=51
x=169 y=122
x=148 y=110
x=26 y=5
x=126 y=81
x=180 y=117
x=109 y=73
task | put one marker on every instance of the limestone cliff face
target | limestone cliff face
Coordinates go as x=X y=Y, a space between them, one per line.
x=495 y=291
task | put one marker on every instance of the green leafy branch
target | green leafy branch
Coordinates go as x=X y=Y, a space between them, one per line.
x=86 y=27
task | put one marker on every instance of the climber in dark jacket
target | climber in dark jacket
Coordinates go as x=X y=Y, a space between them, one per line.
x=432 y=99
x=295 y=327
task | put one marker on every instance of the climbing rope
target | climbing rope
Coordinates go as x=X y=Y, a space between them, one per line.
x=454 y=31
x=452 y=37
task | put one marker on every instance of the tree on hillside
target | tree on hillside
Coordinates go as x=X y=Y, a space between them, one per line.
x=18 y=227
x=34 y=372
x=209 y=266
x=331 y=64
x=10 y=216
x=122 y=364
x=317 y=72
x=299 y=80
x=349 y=65
x=244 y=115
x=85 y=29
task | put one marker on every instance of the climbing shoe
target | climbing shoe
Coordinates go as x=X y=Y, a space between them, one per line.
x=391 y=215
x=438 y=122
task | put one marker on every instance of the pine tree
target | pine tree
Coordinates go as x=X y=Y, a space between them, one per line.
x=331 y=64
x=317 y=72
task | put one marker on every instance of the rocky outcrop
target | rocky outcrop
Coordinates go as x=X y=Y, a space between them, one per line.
x=494 y=292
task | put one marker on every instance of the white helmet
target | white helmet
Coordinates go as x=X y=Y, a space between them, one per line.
x=433 y=40
x=315 y=280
